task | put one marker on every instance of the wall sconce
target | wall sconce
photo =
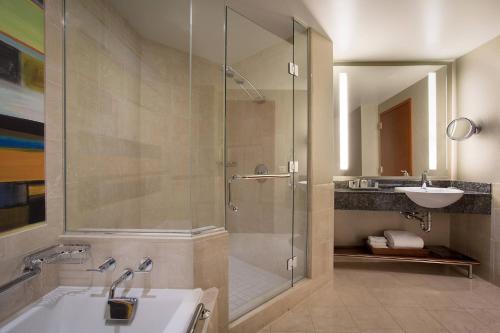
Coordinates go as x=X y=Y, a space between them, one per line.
x=344 y=121
x=432 y=110
x=462 y=128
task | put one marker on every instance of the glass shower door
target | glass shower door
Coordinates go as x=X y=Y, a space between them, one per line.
x=259 y=147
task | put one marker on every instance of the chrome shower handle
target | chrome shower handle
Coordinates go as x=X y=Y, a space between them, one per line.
x=146 y=265
x=258 y=177
x=108 y=265
x=230 y=203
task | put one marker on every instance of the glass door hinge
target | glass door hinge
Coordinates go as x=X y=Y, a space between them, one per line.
x=293 y=166
x=291 y=263
x=293 y=69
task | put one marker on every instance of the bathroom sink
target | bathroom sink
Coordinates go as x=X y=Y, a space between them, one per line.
x=81 y=310
x=432 y=197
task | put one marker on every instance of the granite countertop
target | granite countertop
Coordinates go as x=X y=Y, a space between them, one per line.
x=476 y=199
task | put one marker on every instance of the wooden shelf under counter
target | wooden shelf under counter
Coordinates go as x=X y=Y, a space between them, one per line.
x=437 y=255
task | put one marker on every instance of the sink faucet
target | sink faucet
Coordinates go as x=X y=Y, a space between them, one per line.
x=424 y=180
x=121 y=308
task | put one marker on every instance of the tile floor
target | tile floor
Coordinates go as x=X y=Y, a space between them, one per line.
x=250 y=286
x=395 y=297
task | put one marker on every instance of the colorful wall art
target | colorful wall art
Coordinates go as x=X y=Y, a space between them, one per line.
x=22 y=85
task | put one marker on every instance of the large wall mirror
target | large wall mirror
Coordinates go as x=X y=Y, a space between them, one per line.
x=391 y=120
x=22 y=85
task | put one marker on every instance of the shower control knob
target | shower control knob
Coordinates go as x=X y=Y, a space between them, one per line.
x=145 y=266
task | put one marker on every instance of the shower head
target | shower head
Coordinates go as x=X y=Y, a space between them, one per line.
x=241 y=81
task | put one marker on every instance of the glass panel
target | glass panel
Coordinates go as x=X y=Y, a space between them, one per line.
x=300 y=141
x=207 y=114
x=259 y=140
x=128 y=117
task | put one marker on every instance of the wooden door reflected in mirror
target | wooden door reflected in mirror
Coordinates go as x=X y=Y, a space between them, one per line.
x=395 y=140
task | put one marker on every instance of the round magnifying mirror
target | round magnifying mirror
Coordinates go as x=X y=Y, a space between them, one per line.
x=461 y=129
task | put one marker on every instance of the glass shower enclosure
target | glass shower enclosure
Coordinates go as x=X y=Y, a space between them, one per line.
x=185 y=117
x=266 y=160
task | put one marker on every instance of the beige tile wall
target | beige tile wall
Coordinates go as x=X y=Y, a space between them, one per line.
x=321 y=159
x=210 y=267
x=471 y=234
x=477 y=81
x=14 y=246
x=173 y=261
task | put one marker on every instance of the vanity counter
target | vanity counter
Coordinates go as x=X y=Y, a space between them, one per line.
x=476 y=198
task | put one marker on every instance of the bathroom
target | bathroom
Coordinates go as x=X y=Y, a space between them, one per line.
x=226 y=161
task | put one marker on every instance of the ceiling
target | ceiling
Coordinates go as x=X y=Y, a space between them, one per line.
x=376 y=84
x=385 y=30
x=361 y=30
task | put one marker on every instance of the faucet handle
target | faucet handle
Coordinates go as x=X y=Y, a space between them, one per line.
x=145 y=266
x=108 y=265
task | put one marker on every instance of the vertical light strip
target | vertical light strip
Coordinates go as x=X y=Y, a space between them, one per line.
x=344 y=121
x=431 y=82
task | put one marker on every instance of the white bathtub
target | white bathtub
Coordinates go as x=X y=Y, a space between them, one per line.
x=81 y=310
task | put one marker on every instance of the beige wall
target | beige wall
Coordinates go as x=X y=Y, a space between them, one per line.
x=321 y=159
x=418 y=92
x=369 y=140
x=478 y=81
x=355 y=140
x=477 y=84
x=15 y=245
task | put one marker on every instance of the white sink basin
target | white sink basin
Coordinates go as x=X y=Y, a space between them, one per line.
x=432 y=197
x=81 y=310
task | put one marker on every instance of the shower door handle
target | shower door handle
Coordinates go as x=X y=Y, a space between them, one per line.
x=230 y=203
x=258 y=177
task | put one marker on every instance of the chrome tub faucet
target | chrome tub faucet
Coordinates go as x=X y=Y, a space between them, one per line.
x=121 y=308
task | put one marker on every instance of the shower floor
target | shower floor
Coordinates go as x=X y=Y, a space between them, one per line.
x=250 y=286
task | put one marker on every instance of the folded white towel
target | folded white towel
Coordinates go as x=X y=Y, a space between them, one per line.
x=377 y=239
x=377 y=245
x=403 y=239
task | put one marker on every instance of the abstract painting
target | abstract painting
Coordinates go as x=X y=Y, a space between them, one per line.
x=22 y=86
